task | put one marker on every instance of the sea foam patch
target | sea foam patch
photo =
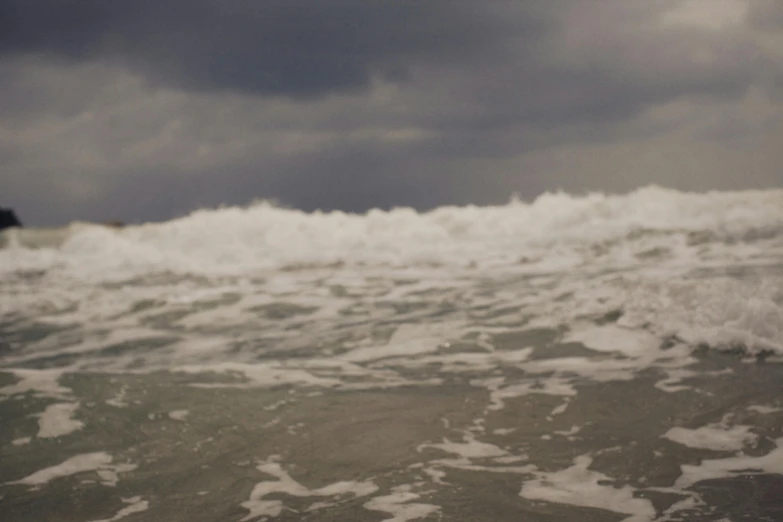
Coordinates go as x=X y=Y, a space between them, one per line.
x=717 y=437
x=179 y=415
x=614 y=339
x=709 y=469
x=42 y=383
x=469 y=448
x=57 y=420
x=135 y=505
x=398 y=504
x=259 y=506
x=99 y=462
x=580 y=486
x=402 y=343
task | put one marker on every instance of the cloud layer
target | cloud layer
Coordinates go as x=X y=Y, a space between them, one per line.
x=152 y=109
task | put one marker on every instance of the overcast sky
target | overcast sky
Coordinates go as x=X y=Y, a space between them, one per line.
x=148 y=109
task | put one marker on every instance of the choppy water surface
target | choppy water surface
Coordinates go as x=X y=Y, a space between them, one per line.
x=577 y=358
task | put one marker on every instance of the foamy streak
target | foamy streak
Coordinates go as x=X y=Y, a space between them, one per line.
x=259 y=507
x=135 y=505
x=556 y=229
x=772 y=462
x=580 y=486
x=100 y=462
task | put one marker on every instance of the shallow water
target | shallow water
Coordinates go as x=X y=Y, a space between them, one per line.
x=624 y=362
x=197 y=453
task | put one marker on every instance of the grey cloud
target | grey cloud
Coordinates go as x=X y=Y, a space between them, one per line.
x=275 y=47
x=151 y=109
x=766 y=14
x=532 y=62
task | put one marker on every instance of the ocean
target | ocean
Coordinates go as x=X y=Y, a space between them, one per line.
x=576 y=358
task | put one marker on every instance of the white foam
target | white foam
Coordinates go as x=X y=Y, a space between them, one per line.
x=21 y=441
x=567 y=433
x=724 y=313
x=470 y=448
x=732 y=466
x=467 y=361
x=258 y=506
x=100 y=462
x=412 y=347
x=136 y=505
x=610 y=338
x=557 y=410
x=435 y=475
x=554 y=229
x=764 y=410
x=118 y=401
x=500 y=391
x=469 y=465
x=580 y=486
x=600 y=370
x=179 y=415
x=57 y=420
x=315 y=506
x=510 y=459
x=262 y=375
x=43 y=383
x=398 y=504
x=673 y=381
x=716 y=437
x=408 y=339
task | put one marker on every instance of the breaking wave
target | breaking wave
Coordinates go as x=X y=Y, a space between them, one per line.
x=555 y=231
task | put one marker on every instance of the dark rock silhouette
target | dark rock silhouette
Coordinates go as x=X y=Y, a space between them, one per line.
x=8 y=219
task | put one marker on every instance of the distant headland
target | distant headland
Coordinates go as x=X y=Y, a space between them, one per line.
x=8 y=219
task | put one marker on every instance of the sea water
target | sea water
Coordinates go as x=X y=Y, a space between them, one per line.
x=575 y=358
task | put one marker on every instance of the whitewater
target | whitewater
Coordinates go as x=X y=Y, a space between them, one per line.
x=578 y=357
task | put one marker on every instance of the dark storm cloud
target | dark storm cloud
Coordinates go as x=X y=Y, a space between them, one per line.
x=508 y=60
x=296 y=48
x=149 y=109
